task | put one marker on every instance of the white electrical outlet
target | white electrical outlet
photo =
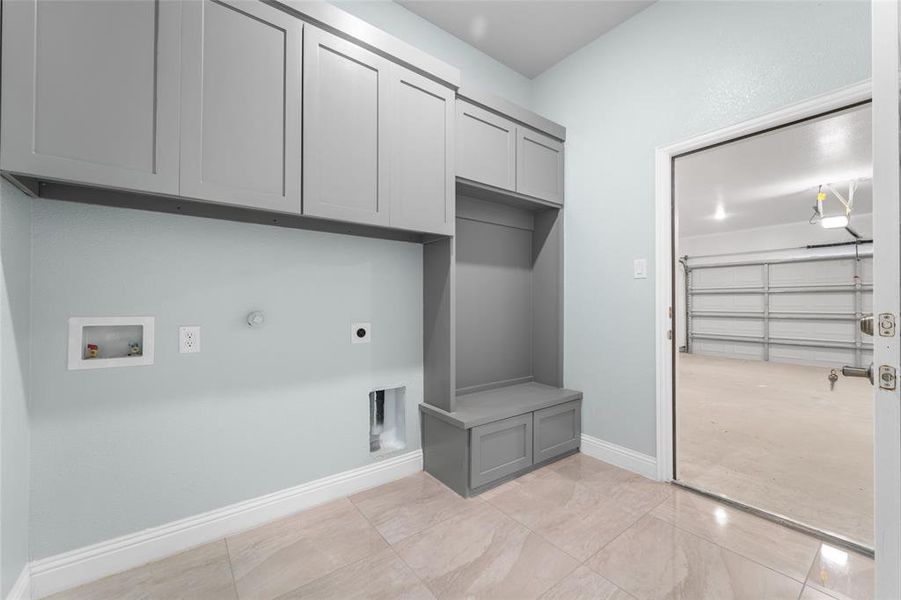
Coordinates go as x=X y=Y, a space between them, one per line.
x=188 y=340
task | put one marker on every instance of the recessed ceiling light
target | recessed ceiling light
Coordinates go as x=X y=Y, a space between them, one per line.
x=478 y=27
x=720 y=213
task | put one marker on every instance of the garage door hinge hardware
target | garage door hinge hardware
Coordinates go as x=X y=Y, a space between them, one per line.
x=887 y=324
x=887 y=377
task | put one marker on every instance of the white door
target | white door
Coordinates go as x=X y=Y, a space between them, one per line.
x=886 y=295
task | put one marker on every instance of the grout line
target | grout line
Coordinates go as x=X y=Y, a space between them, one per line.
x=704 y=537
x=231 y=567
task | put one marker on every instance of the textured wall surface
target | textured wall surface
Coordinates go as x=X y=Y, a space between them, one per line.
x=673 y=71
x=256 y=411
x=15 y=259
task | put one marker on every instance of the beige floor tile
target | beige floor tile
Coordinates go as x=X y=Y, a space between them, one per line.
x=383 y=576
x=810 y=593
x=581 y=509
x=765 y=434
x=482 y=553
x=584 y=583
x=842 y=574
x=782 y=549
x=199 y=574
x=284 y=555
x=409 y=505
x=653 y=559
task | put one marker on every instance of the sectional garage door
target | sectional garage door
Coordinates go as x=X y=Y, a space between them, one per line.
x=801 y=311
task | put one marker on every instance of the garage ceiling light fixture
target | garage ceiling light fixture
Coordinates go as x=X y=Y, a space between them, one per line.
x=834 y=221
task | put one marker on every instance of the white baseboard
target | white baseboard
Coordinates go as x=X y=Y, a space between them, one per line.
x=74 y=568
x=21 y=589
x=620 y=456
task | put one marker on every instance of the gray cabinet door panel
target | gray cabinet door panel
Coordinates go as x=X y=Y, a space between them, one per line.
x=346 y=140
x=499 y=449
x=539 y=166
x=422 y=156
x=241 y=104
x=558 y=429
x=486 y=147
x=90 y=92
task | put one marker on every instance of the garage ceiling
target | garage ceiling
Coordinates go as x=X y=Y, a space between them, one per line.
x=529 y=36
x=772 y=178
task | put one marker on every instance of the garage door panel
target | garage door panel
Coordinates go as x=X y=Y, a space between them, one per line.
x=729 y=349
x=835 y=331
x=833 y=272
x=740 y=327
x=719 y=277
x=835 y=302
x=728 y=302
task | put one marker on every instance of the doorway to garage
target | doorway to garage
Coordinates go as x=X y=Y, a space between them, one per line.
x=773 y=274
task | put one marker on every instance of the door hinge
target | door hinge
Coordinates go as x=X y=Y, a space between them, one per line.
x=669 y=312
x=669 y=334
x=887 y=324
x=888 y=378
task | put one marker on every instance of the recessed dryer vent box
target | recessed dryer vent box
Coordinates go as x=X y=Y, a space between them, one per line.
x=387 y=420
x=104 y=342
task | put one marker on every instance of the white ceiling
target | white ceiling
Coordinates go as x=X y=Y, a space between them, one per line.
x=529 y=36
x=772 y=178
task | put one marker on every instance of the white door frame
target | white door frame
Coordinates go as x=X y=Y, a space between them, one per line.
x=887 y=297
x=664 y=257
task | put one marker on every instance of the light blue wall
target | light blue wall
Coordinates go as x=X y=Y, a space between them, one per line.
x=256 y=411
x=15 y=259
x=673 y=71
x=115 y=451
x=477 y=68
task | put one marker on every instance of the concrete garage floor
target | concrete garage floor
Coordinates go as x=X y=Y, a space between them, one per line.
x=773 y=436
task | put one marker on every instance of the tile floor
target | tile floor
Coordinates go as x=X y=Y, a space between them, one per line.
x=578 y=528
x=764 y=434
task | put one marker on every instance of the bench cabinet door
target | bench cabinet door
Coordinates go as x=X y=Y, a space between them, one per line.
x=499 y=449
x=539 y=166
x=90 y=92
x=486 y=147
x=241 y=104
x=558 y=430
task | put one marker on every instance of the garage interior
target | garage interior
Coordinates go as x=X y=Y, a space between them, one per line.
x=774 y=273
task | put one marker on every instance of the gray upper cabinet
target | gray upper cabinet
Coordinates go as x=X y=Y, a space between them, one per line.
x=346 y=136
x=486 y=147
x=90 y=92
x=422 y=155
x=241 y=104
x=539 y=166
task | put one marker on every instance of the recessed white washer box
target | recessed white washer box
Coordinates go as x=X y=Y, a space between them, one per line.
x=113 y=339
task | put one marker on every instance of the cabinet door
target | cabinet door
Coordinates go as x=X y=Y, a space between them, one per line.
x=422 y=155
x=539 y=166
x=558 y=429
x=241 y=104
x=90 y=92
x=486 y=147
x=346 y=137
x=499 y=449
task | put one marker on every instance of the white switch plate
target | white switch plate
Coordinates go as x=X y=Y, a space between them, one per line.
x=640 y=268
x=188 y=340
